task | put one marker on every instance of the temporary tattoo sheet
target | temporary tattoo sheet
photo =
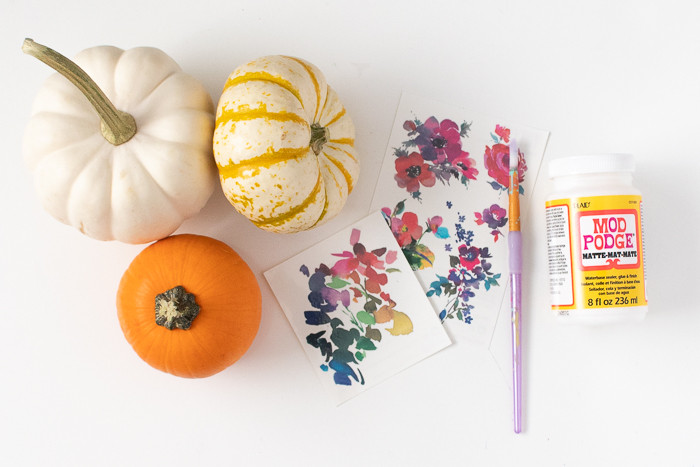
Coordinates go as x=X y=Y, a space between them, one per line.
x=357 y=308
x=443 y=190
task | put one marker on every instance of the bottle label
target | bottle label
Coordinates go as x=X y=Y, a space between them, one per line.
x=595 y=252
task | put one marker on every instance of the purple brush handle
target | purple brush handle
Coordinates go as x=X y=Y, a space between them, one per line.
x=516 y=267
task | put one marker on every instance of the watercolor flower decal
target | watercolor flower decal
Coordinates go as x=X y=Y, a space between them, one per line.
x=503 y=133
x=494 y=217
x=351 y=309
x=412 y=172
x=409 y=234
x=433 y=152
x=497 y=160
x=469 y=268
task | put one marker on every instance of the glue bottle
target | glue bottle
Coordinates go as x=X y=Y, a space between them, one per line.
x=595 y=240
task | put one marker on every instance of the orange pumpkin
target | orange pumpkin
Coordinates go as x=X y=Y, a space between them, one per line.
x=189 y=305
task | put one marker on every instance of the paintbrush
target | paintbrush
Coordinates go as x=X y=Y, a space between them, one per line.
x=516 y=266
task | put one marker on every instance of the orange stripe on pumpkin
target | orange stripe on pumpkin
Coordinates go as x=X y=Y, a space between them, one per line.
x=263 y=76
x=325 y=204
x=246 y=113
x=347 y=153
x=336 y=118
x=349 y=141
x=282 y=218
x=323 y=214
x=314 y=80
x=348 y=178
x=265 y=160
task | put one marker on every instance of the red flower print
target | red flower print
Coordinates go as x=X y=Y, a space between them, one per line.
x=406 y=229
x=466 y=165
x=375 y=280
x=496 y=160
x=469 y=257
x=412 y=171
x=355 y=277
x=439 y=155
x=366 y=257
x=503 y=133
x=387 y=298
x=361 y=261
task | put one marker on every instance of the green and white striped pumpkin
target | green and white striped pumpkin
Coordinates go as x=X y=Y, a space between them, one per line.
x=284 y=145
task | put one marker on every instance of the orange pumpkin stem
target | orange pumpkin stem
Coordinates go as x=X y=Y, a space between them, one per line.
x=175 y=308
x=320 y=135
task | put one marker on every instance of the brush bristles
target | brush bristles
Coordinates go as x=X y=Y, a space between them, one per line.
x=513 y=157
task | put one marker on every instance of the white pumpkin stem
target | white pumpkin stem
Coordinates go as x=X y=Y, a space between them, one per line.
x=320 y=135
x=117 y=127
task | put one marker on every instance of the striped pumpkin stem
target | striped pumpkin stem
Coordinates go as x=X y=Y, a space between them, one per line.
x=319 y=136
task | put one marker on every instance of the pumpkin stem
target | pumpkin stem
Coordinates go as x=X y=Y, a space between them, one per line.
x=117 y=127
x=319 y=136
x=175 y=308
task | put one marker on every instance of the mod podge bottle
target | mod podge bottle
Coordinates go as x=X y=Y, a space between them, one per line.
x=595 y=240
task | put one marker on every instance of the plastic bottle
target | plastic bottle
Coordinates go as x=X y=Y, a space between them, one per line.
x=595 y=240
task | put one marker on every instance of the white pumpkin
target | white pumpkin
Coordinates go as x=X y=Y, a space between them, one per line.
x=143 y=183
x=284 y=145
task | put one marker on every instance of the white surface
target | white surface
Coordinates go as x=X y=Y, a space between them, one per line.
x=602 y=76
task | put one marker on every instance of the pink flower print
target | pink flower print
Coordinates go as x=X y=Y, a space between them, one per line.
x=439 y=141
x=406 y=229
x=354 y=236
x=344 y=267
x=434 y=223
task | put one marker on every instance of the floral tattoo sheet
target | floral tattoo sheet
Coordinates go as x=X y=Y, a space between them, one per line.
x=443 y=191
x=357 y=308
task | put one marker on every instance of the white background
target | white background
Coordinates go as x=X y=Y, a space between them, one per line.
x=602 y=76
